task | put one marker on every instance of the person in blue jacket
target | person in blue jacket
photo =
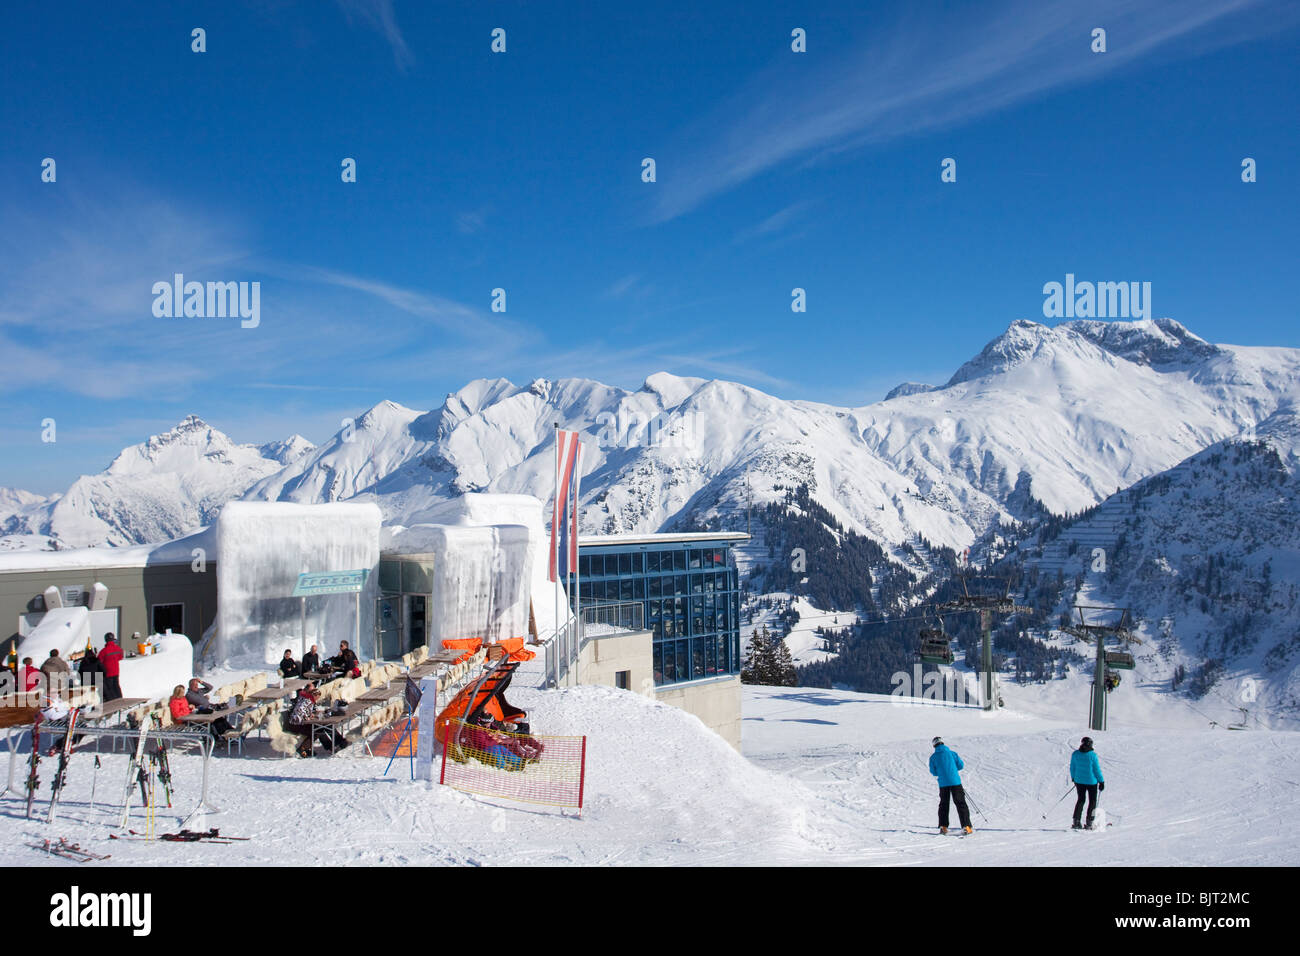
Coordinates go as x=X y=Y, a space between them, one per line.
x=1085 y=771
x=944 y=764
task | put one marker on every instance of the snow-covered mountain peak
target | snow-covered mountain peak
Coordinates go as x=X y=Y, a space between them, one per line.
x=672 y=389
x=288 y=450
x=1158 y=342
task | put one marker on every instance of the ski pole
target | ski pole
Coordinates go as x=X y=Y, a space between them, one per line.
x=977 y=809
x=94 y=780
x=1058 y=802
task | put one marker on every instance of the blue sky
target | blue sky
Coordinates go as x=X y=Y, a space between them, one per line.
x=522 y=171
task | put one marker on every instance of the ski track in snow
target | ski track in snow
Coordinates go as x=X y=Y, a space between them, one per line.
x=828 y=778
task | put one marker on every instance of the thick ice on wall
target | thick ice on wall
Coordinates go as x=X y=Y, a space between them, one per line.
x=490 y=510
x=481 y=578
x=262 y=547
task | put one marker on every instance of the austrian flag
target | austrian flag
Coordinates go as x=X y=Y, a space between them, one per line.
x=564 y=513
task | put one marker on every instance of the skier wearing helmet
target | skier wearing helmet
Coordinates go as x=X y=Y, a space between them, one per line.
x=944 y=764
x=1085 y=771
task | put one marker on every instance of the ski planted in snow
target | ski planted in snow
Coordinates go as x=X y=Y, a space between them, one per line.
x=33 y=781
x=131 y=769
x=61 y=775
x=164 y=768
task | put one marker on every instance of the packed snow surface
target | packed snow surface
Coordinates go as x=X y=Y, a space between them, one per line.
x=827 y=777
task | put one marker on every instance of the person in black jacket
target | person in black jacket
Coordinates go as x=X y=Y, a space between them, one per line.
x=345 y=660
x=288 y=666
x=90 y=671
x=311 y=660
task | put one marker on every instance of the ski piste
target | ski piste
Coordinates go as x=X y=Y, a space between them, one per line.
x=131 y=771
x=33 y=781
x=61 y=774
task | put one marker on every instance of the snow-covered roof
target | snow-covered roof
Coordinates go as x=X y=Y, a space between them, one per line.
x=597 y=540
x=180 y=551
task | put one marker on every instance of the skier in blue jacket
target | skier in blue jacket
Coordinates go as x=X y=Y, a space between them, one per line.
x=944 y=764
x=1085 y=771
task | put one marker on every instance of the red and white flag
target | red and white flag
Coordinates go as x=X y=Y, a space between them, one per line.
x=564 y=512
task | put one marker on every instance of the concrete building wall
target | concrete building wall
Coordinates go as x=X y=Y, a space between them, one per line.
x=604 y=658
x=716 y=702
x=132 y=591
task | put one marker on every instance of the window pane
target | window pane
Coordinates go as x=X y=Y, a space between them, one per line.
x=659 y=663
x=710 y=656
x=653 y=559
x=679 y=560
x=638 y=589
x=697 y=584
x=625 y=564
x=697 y=658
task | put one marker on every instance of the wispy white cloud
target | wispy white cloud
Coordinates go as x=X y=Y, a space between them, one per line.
x=622 y=286
x=776 y=223
x=379 y=16
x=937 y=69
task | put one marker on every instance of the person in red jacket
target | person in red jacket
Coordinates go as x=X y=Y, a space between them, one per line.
x=111 y=657
x=180 y=707
x=31 y=675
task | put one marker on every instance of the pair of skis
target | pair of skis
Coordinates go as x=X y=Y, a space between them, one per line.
x=34 y=781
x=72 y=851
x=61 y=775
x=184 y=836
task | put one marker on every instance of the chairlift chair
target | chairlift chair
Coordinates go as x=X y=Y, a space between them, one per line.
x=1119 y=660
x=935 y=647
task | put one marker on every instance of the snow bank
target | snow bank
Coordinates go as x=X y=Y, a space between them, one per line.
x=262 y=547
x=64 y=628
x=156 y=675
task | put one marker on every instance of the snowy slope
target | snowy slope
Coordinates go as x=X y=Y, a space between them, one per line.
x=1208 y=558
x=827 y=778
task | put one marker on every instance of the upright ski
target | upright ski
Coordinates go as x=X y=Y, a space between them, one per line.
x=164 y=768
x=61 y=775
x=33 y=781
x=132 y=770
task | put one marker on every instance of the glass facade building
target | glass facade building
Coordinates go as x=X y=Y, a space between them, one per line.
x=689 y=589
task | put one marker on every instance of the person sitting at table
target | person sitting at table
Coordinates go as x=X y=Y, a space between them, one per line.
x=288 y=666
x=310 y=661
x=302 y=712
x=32 y=676
x=197 y=697
x=180 y=707
x=56 y=670
x=346 y=661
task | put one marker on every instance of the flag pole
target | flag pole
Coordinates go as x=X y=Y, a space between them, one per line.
x=573 y=527
x=555 y=563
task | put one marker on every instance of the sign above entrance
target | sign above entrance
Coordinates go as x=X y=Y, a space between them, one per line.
x=330 y=582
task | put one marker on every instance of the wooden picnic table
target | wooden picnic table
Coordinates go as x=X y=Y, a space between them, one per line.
x=112 y=707
x=388 y=692
x=197 y=718
x=331 y=719
x=291 y=686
